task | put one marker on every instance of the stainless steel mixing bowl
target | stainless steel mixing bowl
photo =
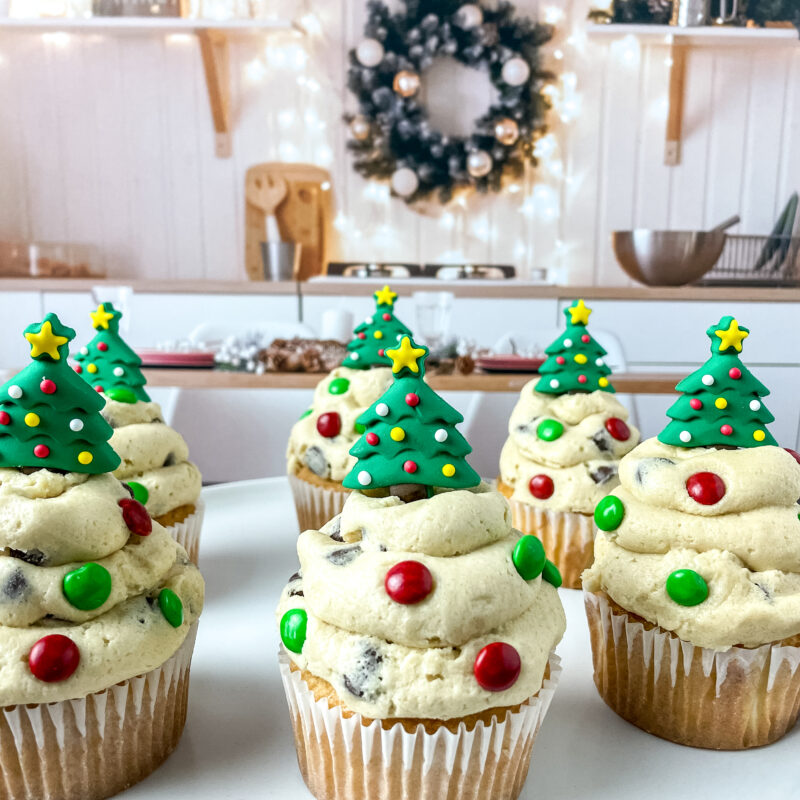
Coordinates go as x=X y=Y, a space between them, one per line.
x=667 y=258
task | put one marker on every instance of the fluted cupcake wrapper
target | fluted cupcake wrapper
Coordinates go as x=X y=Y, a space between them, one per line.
x=96 y=746
x=347 y=758
x=730 y=700
x=316 y=505
x=187 y=533
x=568 y=537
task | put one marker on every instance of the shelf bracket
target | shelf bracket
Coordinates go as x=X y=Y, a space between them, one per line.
x=677 y=79
x=215 y=51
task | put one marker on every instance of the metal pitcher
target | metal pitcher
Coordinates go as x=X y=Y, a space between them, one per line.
x=694 y=13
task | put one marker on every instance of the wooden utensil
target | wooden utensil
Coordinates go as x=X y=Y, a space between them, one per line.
x=266 y=192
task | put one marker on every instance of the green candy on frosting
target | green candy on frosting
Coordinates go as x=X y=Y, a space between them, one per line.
x=410 y=433
x=108 y=363
x=721 y=401
x=49 y=417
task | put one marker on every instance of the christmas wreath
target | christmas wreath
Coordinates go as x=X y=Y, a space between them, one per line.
x=391 y=135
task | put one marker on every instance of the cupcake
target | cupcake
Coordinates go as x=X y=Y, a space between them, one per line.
x=98 y=604
x=692 y=599
x=419 y=634
x=318 y=456
x=566 y=436
x=154 y=457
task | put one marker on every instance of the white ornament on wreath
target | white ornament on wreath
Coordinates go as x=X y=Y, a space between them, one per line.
x=404 y=182
x=479 y=163
x=469 y=16
x=369 y=52
x=516 y=71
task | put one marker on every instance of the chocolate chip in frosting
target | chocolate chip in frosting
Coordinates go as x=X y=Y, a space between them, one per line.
x=603 y=474
x=335 y=529
x=647 y=465
x=344 y=555
x=409 y=492
x=170 y=460
x=364 y=679
x=602 y=441
x=315 y=460
x=35 y=557
x=16 y=586
x=766 y=591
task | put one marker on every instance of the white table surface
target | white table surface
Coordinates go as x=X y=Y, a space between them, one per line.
x=238 y=742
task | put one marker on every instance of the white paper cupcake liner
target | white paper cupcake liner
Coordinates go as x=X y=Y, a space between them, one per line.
x=568 y=537
x=187 y=533
x=344 y=757
x=96 y=746
x=315 y=505
x=729 y=700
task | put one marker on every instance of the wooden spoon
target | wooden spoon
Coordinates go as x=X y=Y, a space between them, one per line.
x=266 y=192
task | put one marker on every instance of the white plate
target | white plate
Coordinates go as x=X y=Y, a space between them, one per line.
x=238 y=743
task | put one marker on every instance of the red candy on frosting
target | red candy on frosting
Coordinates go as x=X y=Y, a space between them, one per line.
x=329 y=424
x=497 y=667
x=408 y=582
x=706 y=488
x=54 y=658
x=136 y=517
x=618 y=429
x=541 y=486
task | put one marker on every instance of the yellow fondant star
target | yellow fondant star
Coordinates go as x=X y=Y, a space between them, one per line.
x=46 y=342
x=385 y=296
x=101 y=317
x=406 y=356
x=579 y=313
x=732 y=337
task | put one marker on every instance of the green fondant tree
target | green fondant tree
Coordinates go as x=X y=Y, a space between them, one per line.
x=720 y=402
x=410 y=433
x=107 y=362
x=49 y=417
x=575 y=359
x=376 y=334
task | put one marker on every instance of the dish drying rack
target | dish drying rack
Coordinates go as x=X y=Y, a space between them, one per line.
x=772 y=260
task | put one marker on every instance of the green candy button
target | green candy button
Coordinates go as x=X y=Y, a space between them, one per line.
x=87 y=587
x=140 y=492
x=529 y=557
x=608 y=513
x=549 y=430
x=338 y=386
x=306 y=413
x=359 y=428
x=121 y=395
x=171 y=607
x=293 y=629
x=551 y=574
x=687 y=587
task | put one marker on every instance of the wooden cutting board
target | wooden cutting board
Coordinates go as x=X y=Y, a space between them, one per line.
x=304 y=215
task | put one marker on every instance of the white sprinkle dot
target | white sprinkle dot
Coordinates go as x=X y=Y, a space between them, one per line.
x=685 y=436
x=15 y=392
x=84 y=351
x=381 y=409
x=755 y=405
x=399 y=336
x=364 y=478
x=440 y=435
x=119 y=372
x=708 y=380
x=567 y=342
x=75 y=425
x=554 y=384
x=369 y=320
x=354 y=356
x=599 y=362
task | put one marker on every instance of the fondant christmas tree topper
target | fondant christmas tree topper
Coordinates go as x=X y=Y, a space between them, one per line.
x=49 y=417
x=574 y=360
x=107 y=362
x=410 y=434
x=720 y=402
x=377 y=333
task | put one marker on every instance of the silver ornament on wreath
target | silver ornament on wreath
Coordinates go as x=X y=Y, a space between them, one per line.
x=516 y=71
x=469 y=16
x=404 y=182
x=369 y=52
x=479 y=164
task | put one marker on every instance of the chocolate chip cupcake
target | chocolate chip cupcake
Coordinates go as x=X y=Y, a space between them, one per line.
x=692 y=599
x=154 y=457
x=566 y=436
x=318 y=455
x=395 y=651
x=98 y=604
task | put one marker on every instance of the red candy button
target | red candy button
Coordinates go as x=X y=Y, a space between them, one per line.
x=102 y=346
x=41 y=451
x=586 y=338
x=793 y=453
x=362 y=335
x=381 y=352
x=696 y=404
x=48 y=386
x=329 y=424
x=99 y=389
x=136 y=517
x=705 y=488
x=387 y=317
x=561 y=360
x=541 y=487
x=54 y=658
x=78 y=368
x=5 y=418
x=735 y=373
x=408 y=582
x=726 y=430
x=618 y=429
x=372 y=438
x=581 y=379
x=497 y=667
x=410 y=467
x=412 y=399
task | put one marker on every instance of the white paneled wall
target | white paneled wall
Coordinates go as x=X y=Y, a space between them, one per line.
x=108 y=140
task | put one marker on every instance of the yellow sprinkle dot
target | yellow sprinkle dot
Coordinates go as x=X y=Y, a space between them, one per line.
x=378 y=334
x=759 y=436
x=85 y=457
x=721 y=402
x=603 y=382
x=580 y=358
x=448 y=470
x=91 y=368
x=32 y=420
x=398 y=434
